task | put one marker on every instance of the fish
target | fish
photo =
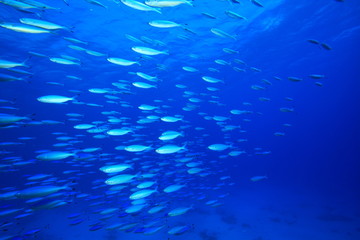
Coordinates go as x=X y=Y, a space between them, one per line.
x=313 y=41
x=169 y=149
x=96 y=3
x=169 y=135
x=143 y=85
x=325 y=46
x=257 y=3
x=140 y=6
x=173 y=188
x=167 y=3
x=222 y=33
x=208 y=15
x=134 y=209
x=147 y=77
x=122 y=62
x=212 y=79
x=18 y=4
x=23 y=28
x=8 y=119
x=9 y=78
x=316 y=76
x=145 y=184
x=118 y=131
x=222 y=62
x=235 y=15
x=41 y=24
x=54 y=155
x=142 y=194
x=98 y=90
x=9 y=212
x=84 y=126
x=136 y=148
x=189 y=69
x=63 y=61
x=37 y=4
x=148 y=51
x=95 y=53
x=10 y=64
x=258 y=178
x=178 y=230
x=74 y=40
x=120 y=179
x=40 y=191
x=295 y=79
x=55 y=99
x=218 y=147
x=179 y=211
x=147 y=107
x=230 y=51
x=163 y=24
x=170 y=119
x=156 y=209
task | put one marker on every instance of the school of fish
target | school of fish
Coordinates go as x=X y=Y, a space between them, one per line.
x=134 y=146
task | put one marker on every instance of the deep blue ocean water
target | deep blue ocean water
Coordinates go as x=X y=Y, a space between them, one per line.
x=290 y=62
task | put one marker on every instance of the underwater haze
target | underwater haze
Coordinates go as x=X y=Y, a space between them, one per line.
x=179 y=119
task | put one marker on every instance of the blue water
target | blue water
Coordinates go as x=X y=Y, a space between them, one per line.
x=308 y=168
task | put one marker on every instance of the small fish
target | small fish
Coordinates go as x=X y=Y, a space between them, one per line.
x=325 y=46
x=170 y=119
x=173 y=188
x=256 y=3
x=63 y=61
x=94 y=53
x=136 y=148
x=211 y=79
x=294 y=79
x=9 y=78
x=221 y=33
x=313 y=41
x=54 y=99
x=148 y=51
x=147 y=77
x=142 y=194
x=18 y=4
x=258 y=178
x=96 y=3
x=39 y=191
x=139 y=6
x=179 y=211
x=169 y=149
x=10 y=64
x=143 y=85
x=169 y=135
x=122 y=62
x=8 y=119
x=74 y=40
x=235 y=15
x=219 y=147
x=41 y=24
x=189 y=69
x=208 y=15
x=163 y=24
x=119 y=179
x=178 y=230
x=316 y=76
x=84 y=126
x=167 y=3
x=19 y=27
x=54 y=155
x=230 y=51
